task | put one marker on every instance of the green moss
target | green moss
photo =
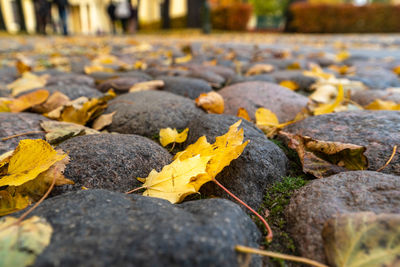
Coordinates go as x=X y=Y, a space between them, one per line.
x=275 y=202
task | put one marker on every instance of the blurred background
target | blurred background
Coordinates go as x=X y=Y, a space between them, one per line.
x=98 y=17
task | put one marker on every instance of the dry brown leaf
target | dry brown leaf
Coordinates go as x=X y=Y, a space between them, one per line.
x=325 y=158
x=56 y=100
x=103 y=121
x=28 y=100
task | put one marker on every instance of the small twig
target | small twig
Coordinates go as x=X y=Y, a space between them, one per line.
x=278 y=255
x=389 y=160
x=23 y=216
x=270 y=235
x=21 y=134
x=136 y=189
x=173 y=146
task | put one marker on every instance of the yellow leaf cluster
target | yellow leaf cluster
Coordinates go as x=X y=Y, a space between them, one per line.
x=28 y=172
x=81 y=110
x=168 y=136
x=197 y=164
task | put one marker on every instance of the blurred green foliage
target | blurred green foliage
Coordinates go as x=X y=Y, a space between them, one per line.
x=269 y=7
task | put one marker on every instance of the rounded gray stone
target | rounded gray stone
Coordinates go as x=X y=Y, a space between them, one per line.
x=285 y=103
x=73 y=91
x=356 y=191
x=18 y=123
x=145 y=113
x=103 y=228
x=378 y=131
x=261 y=164
x=187 y=87
x=111 y=161
x=366 y=97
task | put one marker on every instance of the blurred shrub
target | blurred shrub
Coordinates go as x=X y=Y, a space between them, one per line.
x=347 y=18
x=233 y=17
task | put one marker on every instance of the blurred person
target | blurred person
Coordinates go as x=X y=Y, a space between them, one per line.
x=62 y=6
x=111 y=14
x=123 y=13
x=42 y=13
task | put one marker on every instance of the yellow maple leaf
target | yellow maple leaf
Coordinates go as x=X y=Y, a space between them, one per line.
x=379 y=104
x=4 y=102
x=268 y=122
x=328 y=108
x=168 y=136
x=174 y=182
x=198 y=164
x=211 y=102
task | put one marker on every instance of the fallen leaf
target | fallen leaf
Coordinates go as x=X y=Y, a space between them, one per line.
x=174 y=182
x=168 y=136
x=211 y=102
x=268 y=122
x=342 y=55
x=378 y=104
x=57 y=99
x=27 y=82
x=290 y=85
x=103 y=121
x=294 y=66
x=4 y=102
x=343 y=70
x=28 y=173
x=21 y=243
x=259 y=69
x=397 y=70
x=81 y=110
x=97 y=68
x=328 y=108
x=324 y=94
x=59 y=131
x=145 y=86
x=362 y=239
x=23 y=64
x=28 y=100
x=198 y=164
x=325 y=158
x=184 y=59
x=30 y=158
x=242 y=113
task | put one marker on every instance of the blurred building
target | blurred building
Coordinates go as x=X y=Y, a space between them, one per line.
x=85 y=16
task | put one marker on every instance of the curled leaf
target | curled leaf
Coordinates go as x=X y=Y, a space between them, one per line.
x=27 y=82
x=328 y=108
x=145 y=86
x=168 y=136
x=211 y=102
x=324 y=158
x=103 y=121
x=259 y=69
x=383 y=105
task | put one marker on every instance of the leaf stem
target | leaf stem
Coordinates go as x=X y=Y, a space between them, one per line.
x=21 y=134
x=136 y=189
x=270 y=235
x=389 y=160
x=245 y=249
